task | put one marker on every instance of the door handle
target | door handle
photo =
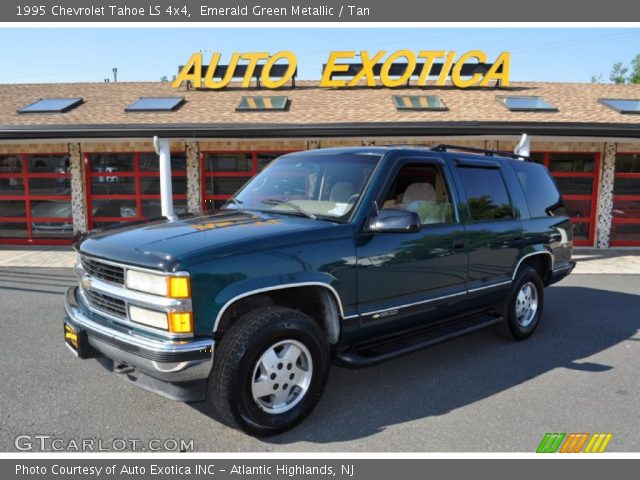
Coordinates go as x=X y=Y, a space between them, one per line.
x=458 y=244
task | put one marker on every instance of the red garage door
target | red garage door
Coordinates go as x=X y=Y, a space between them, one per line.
x=625 y=228
x=35 y=199
x=224 y=173
x=577 y=177
x=125 y=187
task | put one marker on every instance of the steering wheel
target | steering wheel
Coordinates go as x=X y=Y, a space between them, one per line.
x=353 y=198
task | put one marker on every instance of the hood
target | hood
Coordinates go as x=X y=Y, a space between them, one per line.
x=162 y=243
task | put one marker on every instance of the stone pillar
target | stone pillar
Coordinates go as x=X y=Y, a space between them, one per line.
x=605 y=196
x=194 y=194
x=78 y=194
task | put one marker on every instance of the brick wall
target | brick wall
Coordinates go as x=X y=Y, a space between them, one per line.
x=307 y=143
x=9 y=149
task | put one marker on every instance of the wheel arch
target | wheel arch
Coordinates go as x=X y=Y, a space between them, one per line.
x=541 y=260
x=325 y=308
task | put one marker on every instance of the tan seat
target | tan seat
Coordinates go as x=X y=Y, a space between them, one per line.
x=418 y=192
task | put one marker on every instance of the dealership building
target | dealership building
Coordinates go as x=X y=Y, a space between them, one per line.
x=78 y=156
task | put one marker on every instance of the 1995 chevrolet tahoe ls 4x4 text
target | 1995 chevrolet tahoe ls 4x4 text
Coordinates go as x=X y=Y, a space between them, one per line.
x=355 y=255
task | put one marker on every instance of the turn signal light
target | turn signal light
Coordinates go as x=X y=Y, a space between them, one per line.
x=181 y=322
x=178 y=287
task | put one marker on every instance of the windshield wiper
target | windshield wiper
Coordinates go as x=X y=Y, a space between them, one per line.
x=235 y=201
x=299 y=209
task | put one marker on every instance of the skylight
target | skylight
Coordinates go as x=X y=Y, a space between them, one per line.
x=622 y=105
x=51 y=105
x=155 y=104
x=418 y=102
x=527 y=104
x=262 y=103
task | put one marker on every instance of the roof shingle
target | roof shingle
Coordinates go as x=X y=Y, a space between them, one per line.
x=104 y=104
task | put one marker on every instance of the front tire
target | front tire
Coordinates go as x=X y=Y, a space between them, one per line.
x=522 y=308
x=269 y=371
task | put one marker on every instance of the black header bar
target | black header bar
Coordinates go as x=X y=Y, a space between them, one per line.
x=330 y=11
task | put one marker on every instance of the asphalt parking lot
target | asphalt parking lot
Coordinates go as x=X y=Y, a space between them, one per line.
x=578 y=373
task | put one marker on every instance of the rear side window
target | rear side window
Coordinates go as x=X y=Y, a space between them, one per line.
x=540 y=191
x=486 y=192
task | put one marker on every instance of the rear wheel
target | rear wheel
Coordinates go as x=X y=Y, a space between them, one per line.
x=522 y=308
x=269 y=371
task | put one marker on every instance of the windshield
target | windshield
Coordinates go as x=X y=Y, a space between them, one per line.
x=316 y=186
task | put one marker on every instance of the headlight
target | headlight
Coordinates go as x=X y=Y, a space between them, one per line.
x=170 y=286
x=166 y=286
x=128 y=212
x=148 y=317
x=147 y=282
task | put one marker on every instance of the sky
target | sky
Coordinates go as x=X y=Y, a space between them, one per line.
x=51 y=55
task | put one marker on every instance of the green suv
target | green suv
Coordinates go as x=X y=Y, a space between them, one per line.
x=351 y=255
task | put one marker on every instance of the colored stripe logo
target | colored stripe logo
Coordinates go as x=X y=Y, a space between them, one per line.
x=574 y=443
x=550 y=443
x=598 y=443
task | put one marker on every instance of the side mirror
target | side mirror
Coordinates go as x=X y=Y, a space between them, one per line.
x=395 y=220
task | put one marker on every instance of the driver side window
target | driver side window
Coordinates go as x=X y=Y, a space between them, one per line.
x=421 y=188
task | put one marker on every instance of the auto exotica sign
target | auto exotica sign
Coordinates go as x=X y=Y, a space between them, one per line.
x=394 y=69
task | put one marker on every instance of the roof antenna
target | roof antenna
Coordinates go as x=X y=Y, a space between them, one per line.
x=523 y=148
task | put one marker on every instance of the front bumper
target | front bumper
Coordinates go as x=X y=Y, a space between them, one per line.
x=176 y=369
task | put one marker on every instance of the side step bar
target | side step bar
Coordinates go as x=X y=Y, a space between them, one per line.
x=369 y=354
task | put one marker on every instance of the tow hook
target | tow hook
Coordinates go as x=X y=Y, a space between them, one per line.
x=123 y=368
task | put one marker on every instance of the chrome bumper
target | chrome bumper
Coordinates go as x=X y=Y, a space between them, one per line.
x=172 y=368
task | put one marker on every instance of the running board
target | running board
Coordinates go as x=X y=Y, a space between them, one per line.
x=372 y=353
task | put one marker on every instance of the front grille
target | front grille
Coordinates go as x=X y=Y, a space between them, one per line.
x=105 y=271
x=107 y=303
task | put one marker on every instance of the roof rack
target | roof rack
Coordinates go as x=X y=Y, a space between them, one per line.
x=443 y=147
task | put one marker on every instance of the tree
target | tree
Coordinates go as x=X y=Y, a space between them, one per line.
x=634 y=77
x=618 y=73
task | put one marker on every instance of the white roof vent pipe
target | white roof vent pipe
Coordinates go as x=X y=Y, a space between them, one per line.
x=162 y=147
x=523 y=148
